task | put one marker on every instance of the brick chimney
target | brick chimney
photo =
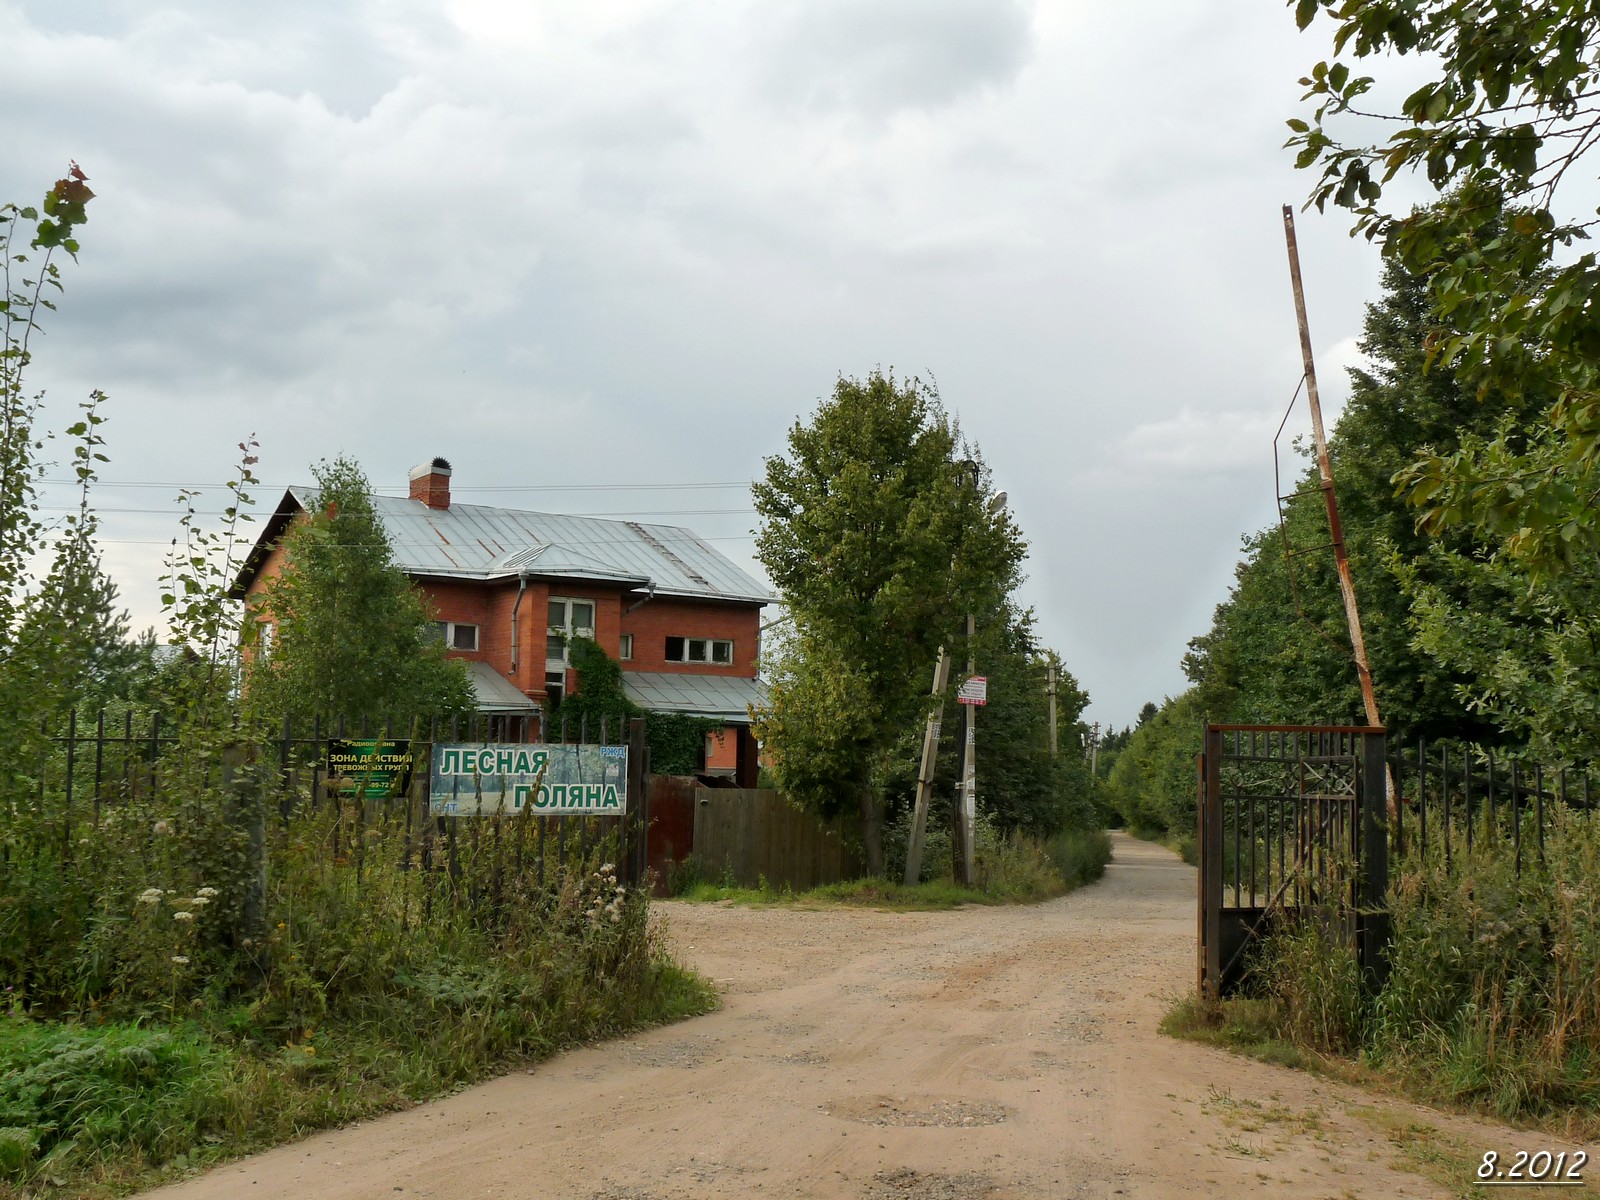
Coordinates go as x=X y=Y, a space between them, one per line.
x=430 y=483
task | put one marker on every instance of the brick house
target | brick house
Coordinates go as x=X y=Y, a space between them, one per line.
x=509 y=588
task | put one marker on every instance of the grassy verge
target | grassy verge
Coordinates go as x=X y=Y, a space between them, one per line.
x=1010 y=871
x=1252 y=1027
x=100 y=1110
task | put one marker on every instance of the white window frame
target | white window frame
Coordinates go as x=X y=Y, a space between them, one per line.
x=450 y=630
x=567 y=630
x=625 y=648
x=708 y=648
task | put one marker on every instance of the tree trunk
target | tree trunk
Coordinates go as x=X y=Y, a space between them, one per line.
x=871 y=828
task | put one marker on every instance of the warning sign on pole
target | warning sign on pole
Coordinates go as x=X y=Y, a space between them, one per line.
x=974 y=691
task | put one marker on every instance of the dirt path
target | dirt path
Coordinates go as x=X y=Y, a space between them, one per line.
x=985 y=1054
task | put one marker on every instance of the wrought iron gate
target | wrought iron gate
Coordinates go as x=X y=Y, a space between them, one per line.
x=1290 y=817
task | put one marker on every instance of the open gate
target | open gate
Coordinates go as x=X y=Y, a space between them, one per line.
x=1290 y=817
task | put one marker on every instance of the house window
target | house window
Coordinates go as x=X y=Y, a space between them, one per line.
x=555 y=685
x=457 y=636
x=568 y=619
x=625 y=647
x=266 y=631
x=699 y=650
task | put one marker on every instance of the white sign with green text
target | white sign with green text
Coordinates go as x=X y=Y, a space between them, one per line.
x=547 y=781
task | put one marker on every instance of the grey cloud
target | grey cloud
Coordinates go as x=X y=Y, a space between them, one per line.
x=879 y=56
x=291 y=47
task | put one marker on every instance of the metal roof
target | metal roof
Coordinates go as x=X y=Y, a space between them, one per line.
x=495 y=692
x=726 y=697
x=475 y=541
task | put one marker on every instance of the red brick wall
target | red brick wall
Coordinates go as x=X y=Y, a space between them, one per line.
x=489 y=606
x=666 y=616
x=722 y=749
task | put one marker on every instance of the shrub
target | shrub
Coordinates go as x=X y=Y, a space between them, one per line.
x=1079 y=855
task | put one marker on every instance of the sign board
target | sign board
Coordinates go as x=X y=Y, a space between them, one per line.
x=974 y=691
x=549 y=781
x=368 y=767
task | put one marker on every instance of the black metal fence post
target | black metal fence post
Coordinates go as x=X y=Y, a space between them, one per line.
x=1373 y=902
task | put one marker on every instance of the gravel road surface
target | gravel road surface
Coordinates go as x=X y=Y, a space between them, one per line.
x=982 y=1054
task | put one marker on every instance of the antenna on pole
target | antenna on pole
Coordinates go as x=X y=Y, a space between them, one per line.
x=1347 y=587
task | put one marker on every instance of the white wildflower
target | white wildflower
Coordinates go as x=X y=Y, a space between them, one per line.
x=198 y=901
x=151 y=896
x=162 y=828
x=181 y=959
x=207 y=892
x=616 y=917
x=607 y=868
x=183 y=916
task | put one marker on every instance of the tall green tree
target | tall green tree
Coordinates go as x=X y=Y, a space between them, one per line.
x=352 y=638
x=874 y=530
x=1499 y=126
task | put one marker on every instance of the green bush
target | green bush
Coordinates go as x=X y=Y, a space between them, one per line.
x=1079 y=855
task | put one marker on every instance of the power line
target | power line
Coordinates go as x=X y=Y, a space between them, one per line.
x=624 y=512
x=400 y=491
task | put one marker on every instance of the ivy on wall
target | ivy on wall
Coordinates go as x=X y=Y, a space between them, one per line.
x=676 y=740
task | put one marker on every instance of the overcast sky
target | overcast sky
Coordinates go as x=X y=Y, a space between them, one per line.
x=579 y=248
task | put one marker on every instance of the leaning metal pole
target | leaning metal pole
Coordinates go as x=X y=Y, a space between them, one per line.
x=1347 y=587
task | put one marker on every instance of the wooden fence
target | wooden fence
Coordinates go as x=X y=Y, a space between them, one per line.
x=753 y=834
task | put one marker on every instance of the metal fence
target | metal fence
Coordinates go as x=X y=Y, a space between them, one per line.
x=1290 y=819
x=100 y=763
x=1456 y=797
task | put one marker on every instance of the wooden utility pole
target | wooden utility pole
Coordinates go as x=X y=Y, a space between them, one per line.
x=1347 y=587
x=965 y=823
x=930 y=752
x=1050 y=690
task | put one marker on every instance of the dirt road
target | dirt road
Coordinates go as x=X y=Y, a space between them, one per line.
x=985 y=1054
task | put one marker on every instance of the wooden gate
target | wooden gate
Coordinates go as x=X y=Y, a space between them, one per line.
x=1291 y=818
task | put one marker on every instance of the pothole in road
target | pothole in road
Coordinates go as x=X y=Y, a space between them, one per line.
x=803 y=1058
x=942 y=1114
x=686 y=1054
x=906 y=1184
x=1079 y=1028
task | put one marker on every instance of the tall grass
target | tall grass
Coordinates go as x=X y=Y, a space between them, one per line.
x=1492 y=993
x=1494 y=989
x=162 y=1011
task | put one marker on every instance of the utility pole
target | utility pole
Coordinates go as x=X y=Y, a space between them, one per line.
x=1050 y=690
x=1094 y=751
x=967 y=794
x=930 y=751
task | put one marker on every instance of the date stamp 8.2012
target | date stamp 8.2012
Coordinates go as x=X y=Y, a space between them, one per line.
x=1533 y=1168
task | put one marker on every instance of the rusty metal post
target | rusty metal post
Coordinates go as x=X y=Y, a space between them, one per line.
x=1210 y=875
x=1347 y=587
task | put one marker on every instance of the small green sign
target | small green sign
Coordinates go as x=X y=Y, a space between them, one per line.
x=368 y=767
